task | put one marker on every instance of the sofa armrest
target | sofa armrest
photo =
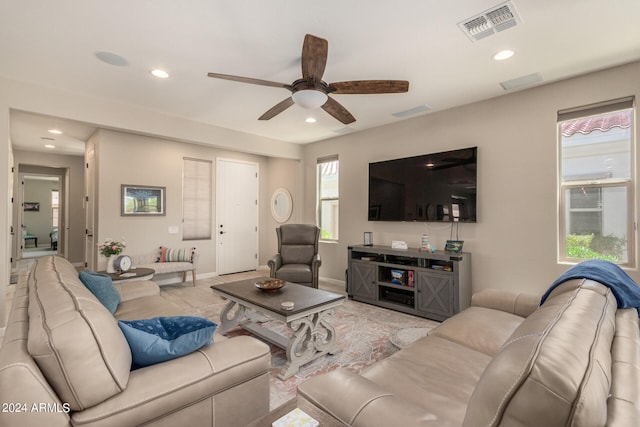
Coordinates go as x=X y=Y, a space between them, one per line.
x=362 y=403
x=136 y=289
x=518 y=303
x=169 y=387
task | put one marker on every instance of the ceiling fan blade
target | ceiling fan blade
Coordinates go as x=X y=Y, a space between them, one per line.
x=277 y=109
x=314 y=57
x=369 y=86
x=336 y=109
x=249 y=80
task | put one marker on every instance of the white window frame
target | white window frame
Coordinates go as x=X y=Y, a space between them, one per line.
x=597 y=182
x=320 y=200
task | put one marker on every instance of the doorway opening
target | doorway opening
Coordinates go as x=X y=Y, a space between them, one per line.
x=41 y=212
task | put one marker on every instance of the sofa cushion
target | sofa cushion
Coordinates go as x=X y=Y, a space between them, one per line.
x=73 y=338
x=555 y=369
x=479 y=328
x=164 y=338
x=432 y=372
x=102 y=287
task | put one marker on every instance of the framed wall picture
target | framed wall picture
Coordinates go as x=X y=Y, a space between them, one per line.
x=139 y=200
x=31 y=206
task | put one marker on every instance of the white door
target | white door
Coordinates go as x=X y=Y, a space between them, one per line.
x=237 y=216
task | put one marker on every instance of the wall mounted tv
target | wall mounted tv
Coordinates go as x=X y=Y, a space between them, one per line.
x=439 y=187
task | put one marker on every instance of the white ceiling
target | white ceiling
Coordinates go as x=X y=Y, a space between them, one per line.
x=54 y=43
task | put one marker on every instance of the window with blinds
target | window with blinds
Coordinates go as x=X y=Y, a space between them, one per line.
x=596 y=203
x=196 y=199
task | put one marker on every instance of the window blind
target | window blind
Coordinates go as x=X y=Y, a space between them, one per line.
x=196 y=199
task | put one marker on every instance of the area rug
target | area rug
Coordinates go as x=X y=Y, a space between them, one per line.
x=363 y=334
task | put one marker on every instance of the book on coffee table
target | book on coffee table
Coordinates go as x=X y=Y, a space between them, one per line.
x=296 y=418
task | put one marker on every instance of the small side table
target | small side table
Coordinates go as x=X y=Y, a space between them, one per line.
x=131 y=275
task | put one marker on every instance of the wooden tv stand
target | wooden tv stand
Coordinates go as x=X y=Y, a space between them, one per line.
x=433 y=285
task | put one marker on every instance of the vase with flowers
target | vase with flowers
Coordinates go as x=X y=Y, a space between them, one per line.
x=110 y=249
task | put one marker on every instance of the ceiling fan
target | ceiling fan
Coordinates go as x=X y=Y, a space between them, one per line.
x=311 y=91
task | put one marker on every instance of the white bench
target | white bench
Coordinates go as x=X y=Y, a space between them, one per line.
x=151 y=261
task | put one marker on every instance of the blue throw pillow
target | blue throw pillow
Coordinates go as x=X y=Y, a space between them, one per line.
x=102 y=287
x=164 y=338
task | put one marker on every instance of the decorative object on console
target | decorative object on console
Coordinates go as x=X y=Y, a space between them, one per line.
x=399 y=244
x=454 y=246
x=425 y=245
x=368 y=238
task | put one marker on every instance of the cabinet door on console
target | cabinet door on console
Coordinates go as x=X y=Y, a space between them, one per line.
x=436 y=294
x=363 y=279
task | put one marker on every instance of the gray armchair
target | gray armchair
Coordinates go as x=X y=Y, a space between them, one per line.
x=297 y=259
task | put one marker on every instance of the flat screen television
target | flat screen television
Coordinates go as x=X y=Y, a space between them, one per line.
x=439 y=187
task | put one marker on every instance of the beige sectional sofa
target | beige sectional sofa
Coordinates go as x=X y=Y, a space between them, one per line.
x=65 y=362
x=504 y=361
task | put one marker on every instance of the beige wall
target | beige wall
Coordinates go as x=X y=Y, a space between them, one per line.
x=514 y=243
x=126 y=158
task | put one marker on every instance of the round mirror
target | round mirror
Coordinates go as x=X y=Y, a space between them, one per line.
x=281 y=205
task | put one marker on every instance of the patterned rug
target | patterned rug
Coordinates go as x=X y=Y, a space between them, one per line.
x=363 y=333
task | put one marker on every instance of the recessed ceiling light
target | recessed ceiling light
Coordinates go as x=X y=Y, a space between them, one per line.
x=55 y=131
x=50 y=146
x=310 y=120
x=161 y=74
x=503 y=54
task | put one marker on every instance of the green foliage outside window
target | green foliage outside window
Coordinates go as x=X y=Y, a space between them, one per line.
x=590 y=246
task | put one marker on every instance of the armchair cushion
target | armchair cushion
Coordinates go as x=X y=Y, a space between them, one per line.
x=164 y=338
x=296 y=273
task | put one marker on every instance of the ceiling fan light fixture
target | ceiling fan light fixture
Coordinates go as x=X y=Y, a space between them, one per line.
x=309 y=98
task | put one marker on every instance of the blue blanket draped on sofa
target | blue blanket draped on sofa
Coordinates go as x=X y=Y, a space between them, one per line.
x=626 y=291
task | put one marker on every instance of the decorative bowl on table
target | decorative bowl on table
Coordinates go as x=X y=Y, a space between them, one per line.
x=270 y=285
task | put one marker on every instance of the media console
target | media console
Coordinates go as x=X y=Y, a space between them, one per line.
x=434 y=285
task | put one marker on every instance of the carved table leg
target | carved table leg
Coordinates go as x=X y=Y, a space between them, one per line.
x=313 y=337
x=228 y=323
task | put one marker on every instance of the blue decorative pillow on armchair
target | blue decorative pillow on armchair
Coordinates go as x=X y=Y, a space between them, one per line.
x=101 y=286
x=164 y=338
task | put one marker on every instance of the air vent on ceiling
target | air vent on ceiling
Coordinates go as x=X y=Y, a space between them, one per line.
x=412 y=111
x=487 y=23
